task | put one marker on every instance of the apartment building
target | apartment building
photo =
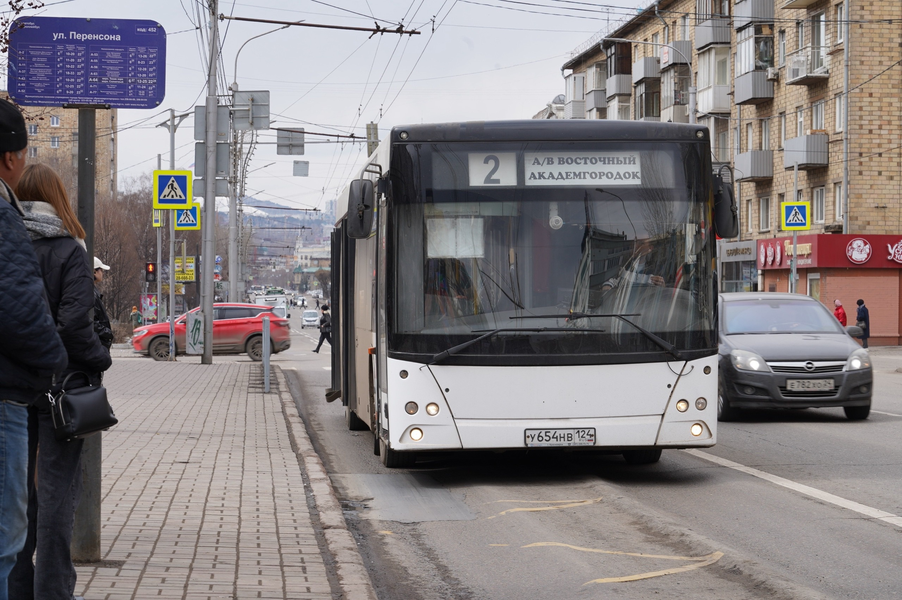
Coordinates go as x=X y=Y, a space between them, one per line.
x=53 y=140
x=802 y=101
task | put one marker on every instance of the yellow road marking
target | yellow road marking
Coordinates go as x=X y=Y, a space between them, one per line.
x=698 y=562
x=560 y=505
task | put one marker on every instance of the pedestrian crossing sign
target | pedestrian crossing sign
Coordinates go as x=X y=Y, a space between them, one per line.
x=172 y=189
x=796 y=216
x=187 y=218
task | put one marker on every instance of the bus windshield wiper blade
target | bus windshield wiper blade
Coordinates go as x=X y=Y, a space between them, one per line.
x=664 y=344
x=455 y=349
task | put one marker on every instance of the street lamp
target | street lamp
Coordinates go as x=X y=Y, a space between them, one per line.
x=234 y=86
x=686 y=58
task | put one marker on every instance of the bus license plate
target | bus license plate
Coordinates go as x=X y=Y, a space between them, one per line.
x=560 y=437
x=809 y=384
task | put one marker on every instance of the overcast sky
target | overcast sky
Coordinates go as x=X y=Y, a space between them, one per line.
x=472 y=60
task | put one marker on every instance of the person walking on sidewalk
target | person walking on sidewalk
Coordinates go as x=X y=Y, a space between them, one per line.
x=134 y=318
x=101 y=319
x=839 y=313
x=325 y=327
x=54 y=467
x=32 y=353
x=863 y=320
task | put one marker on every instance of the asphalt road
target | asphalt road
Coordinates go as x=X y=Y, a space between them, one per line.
x=791 y=504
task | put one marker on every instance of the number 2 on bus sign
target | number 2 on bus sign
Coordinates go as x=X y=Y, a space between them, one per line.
x=493 y=169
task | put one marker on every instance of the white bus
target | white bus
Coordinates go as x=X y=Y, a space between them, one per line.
x=530 y=284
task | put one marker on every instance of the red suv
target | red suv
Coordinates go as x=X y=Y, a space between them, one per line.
x=237 y=328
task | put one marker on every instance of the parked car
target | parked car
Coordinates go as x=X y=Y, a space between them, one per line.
x=310 y=319
x=789 y=351
x=237 y=329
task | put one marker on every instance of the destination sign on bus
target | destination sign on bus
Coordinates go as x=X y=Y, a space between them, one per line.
x=582 y=168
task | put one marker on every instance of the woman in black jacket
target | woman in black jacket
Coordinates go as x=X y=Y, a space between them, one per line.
x=58 y=240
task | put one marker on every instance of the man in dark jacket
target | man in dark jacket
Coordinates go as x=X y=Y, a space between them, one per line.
x=32 y=353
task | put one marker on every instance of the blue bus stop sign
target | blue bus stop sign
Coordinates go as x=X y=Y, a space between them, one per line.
x=55 y=61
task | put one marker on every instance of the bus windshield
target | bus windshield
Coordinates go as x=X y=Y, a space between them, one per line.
x=546 y=242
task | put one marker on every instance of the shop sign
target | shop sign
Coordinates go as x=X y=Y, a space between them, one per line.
x=895 y=252
x=859 y=251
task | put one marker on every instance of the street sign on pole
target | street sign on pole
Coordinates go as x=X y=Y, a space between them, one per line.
x=55 y=61
x=301 y=168
x=250 y=110
x=172 y=189
x=290 y=141
x=187 y=218
x=796 y=216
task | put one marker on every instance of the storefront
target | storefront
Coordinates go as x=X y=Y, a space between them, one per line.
x=737 y=267
x=843 y=267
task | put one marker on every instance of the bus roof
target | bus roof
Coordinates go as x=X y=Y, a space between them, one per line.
x=543 y=130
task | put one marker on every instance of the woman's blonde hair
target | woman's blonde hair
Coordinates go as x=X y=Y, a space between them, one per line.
x=40 y=183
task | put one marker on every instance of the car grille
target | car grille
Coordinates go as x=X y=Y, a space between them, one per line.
x=799 y=367
x=809 y=393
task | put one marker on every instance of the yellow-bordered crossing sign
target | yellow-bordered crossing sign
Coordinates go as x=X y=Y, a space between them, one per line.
x=172 y=189
x=795 y=216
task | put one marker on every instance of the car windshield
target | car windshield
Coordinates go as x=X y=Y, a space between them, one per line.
x=310 y=314
x=768 y=316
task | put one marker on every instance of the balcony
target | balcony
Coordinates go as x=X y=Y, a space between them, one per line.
x=799 y=3
x=646 y=68
x=747 y=12
x=809 y=151
x=714 y=100
x=757 y=165
x=807 y=66
x=753 y=88
x=714 y=31
x=675 y=114
x=596 y=99
x=619 y=85
x=677 y=53
x=575 y=109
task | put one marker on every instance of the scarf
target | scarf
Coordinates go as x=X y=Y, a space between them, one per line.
x=42 y=221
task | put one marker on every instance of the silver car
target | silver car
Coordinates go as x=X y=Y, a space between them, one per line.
x=310 y=319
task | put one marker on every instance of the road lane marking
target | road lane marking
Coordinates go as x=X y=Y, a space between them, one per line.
x=697 y=562
x=867 y=511
x=560 y=505
x=880 y=412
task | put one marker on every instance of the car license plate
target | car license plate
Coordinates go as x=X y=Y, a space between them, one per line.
x=809 y=384
x=560 y=437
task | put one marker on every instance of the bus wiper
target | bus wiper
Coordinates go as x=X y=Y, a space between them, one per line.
x=455 y=349
x=664 y=344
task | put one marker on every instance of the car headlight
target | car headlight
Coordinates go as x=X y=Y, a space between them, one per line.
x=858 y=360
x=139 y=334
x=748 y=361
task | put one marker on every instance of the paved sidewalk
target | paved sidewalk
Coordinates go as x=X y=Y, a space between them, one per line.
x=204 y=496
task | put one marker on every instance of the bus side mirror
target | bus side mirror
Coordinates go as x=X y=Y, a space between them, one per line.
x=726 y=215
x=360 y=209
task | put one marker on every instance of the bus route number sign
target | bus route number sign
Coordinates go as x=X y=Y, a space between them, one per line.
x=537 y=438
x=494 y=169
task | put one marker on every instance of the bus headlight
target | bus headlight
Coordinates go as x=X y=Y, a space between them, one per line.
x=432 y=409
x=682 y=405
x=416 y=434
x=701 y=404
x=411 y=408
x=696 y=429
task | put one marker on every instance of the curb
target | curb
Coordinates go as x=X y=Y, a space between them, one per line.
x=349 y=566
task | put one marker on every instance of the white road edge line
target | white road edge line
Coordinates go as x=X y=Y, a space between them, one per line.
x=880 y=412
x=867 y=511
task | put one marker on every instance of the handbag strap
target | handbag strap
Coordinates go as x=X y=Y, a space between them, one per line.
x=66 y=380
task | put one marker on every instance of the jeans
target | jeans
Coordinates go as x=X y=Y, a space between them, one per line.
x=13 y=491
x=51 y=513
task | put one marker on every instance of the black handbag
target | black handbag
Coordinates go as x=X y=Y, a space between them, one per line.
x=79 y=412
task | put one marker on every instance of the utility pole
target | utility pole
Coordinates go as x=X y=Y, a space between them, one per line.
x=209 y=221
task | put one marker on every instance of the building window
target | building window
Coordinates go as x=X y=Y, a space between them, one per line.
x=54 y=121
x=749 y=227
x=737 y=148
x=781 y=47
x=837 y=201
x=684 y=27
x=800 y=35
x=618 y=59
x=723 y=146
x=648 y=99
x=675 y=86
x=818 y=41
x=818 y=207
x=754 y=48
x=840 y=25
x=749 y=136
x=764 y=214
x=782 y=129
x=32 y=129
x=800 y=121
x=765 y=134
x=55 y=141
x=839 y=106
x=817 y=116
x=32 y=152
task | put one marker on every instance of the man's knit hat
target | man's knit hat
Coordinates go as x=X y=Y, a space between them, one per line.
x=13 y=134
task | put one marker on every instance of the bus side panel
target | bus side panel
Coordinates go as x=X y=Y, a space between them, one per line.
x=363 y=326
x=339 y=291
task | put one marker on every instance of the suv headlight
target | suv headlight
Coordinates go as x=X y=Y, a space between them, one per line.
x=858 y=360
x=139 y=334
x=748 y=361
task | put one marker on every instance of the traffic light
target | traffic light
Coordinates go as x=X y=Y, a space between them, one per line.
x=150 y=272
